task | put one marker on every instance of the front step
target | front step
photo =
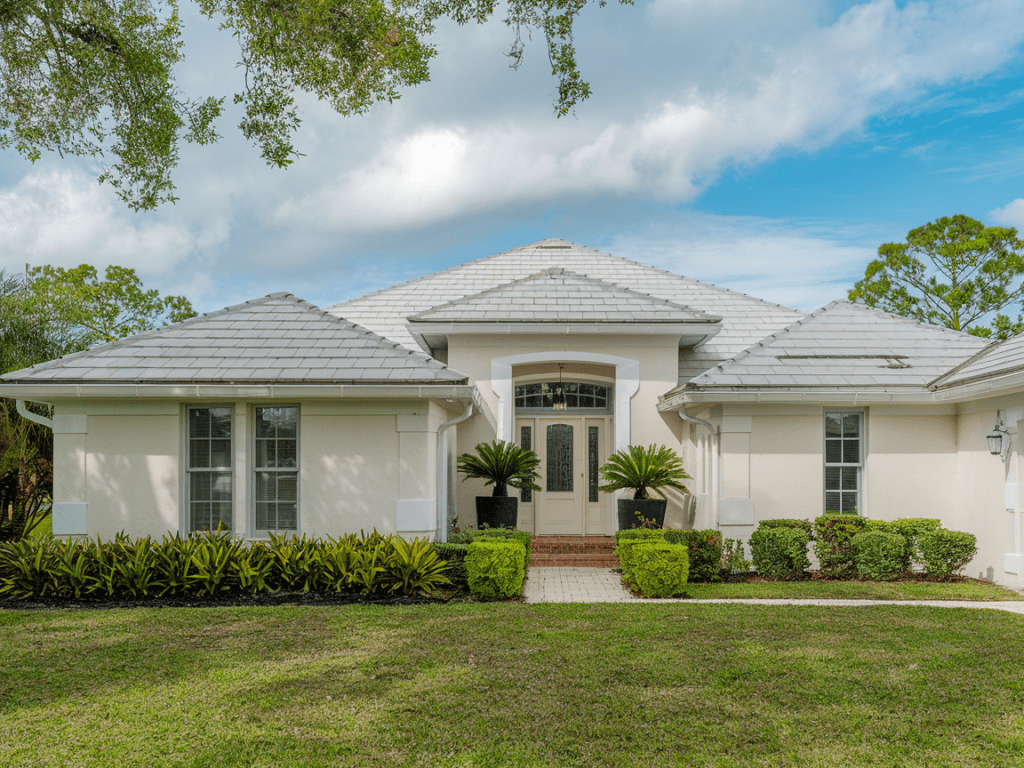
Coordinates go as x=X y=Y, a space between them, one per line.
x=573 y=552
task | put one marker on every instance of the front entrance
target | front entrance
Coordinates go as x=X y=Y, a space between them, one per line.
x=571 y=449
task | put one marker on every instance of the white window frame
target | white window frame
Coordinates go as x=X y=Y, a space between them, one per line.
x=859 y=464
x=262 y=533
x=189 y=471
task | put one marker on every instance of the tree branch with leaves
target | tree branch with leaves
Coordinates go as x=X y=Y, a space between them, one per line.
x=96 y=78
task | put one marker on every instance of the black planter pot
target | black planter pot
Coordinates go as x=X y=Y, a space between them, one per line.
x=631 y=510
x=497 y=511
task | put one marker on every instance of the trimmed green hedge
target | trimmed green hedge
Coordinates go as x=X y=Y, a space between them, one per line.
x=910 y=528
x=495 y=568
x=705 y=549
x=833 y=537
x=660 y=569
x=468 y=537
x=780 y=552
x=946 y=552
x=783 y=522
x=879 y=555
x=216 y=563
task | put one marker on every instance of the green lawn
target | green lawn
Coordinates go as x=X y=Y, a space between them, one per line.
x=513 y=685
x=854 y=590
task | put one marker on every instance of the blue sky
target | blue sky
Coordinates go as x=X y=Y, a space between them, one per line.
x=765 y=147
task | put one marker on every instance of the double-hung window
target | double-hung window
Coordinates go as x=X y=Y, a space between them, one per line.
x=844 y=461
x=210 y=476
x=276 y=468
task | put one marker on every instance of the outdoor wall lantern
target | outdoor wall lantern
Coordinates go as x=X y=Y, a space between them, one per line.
x=999 y=439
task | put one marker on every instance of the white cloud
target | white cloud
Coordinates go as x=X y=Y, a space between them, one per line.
x=1010 y=215
x=801 y=89
x=63 y=218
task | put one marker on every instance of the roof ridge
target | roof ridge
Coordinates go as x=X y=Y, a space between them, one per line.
x=983 y=352
x=452 y=268
x=516 y=251
x=567 y=272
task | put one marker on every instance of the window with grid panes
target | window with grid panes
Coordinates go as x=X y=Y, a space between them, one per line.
x=209 y=469
x=276 y=468
x=843 y=461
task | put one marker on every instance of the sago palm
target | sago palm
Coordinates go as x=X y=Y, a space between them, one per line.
x=644 y=469
x=501 y=464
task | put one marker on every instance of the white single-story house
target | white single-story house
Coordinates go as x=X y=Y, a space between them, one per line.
x=275 y=415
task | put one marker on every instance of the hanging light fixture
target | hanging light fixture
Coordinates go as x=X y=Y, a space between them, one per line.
x=999 y=439
x=558 y=399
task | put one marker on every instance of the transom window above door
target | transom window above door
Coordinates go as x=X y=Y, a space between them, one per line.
x=565 y=395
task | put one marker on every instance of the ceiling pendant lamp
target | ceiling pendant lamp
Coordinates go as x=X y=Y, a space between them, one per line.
x=558 y=399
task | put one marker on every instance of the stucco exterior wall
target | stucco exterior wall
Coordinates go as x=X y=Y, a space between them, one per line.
x=119 y=466
x=909 y=467
x=132 y=475
x=350 y=477
x=986 y=489
x=786 y=466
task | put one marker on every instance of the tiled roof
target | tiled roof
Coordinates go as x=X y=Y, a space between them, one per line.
x=745 y=320
x=558 y=295
x=279 y=338
x=997 y=359
x=844 y=345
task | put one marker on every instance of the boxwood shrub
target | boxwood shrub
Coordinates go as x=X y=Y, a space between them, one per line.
x=626 y=540
x=785 y=522
x=705 y=548
x=833 y=535
x=471 y=535
x=910 y=528
x=879 y=555
x=495 y=568
x=780 y=552
x=946 y=552
x=660 y=569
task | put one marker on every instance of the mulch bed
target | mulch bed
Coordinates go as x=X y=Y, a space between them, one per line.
x=215 y=601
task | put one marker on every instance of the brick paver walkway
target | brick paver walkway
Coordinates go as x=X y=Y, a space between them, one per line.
x=602 y=585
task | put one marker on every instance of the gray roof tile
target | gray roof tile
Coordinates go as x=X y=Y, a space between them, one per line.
x=844 y=345
x=997 y=359
x=745 y=319
x=267 y=341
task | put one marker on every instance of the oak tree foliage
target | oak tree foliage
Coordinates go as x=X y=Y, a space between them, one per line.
x=953 y=271
x=96 y=77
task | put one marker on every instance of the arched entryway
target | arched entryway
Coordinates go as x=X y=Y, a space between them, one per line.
x=572 y=439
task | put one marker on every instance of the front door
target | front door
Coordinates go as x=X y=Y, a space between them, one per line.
x=561 y=500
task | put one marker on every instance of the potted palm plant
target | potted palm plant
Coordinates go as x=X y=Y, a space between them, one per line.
x=502 y=465
x=643 y=470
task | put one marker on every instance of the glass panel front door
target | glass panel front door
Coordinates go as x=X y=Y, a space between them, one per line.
x=559 y=458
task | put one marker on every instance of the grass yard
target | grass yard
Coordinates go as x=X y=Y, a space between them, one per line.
x=854 y=590
x=513 y=685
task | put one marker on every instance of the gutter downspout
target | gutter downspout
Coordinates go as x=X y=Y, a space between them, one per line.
x=715 y=460
x=442 y=471
x=35 y=417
